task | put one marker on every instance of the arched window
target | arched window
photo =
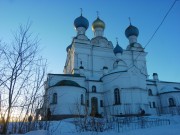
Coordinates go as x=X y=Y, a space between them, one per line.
x=93 y=88
x=87 y=103
x=154 y=104
x=101 y=103
x=150 y=92
x=82 y=99
x=54 y=101
x=171 y=102
x=150 y=105
x=116 y=96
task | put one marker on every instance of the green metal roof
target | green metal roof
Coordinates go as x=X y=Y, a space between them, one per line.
x=67 y=83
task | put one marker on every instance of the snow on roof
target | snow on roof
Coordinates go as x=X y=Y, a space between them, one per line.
x=168 y=88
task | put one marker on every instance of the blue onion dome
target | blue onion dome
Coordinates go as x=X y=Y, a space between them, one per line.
x=118 y=49
x=81 y=22
x=69 y=47
x=131 y=31
x=98 y=23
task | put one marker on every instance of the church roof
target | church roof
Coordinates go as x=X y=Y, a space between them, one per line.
x=67 y=83
x=167 y=89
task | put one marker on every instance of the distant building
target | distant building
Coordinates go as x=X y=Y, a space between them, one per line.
x=100 y=79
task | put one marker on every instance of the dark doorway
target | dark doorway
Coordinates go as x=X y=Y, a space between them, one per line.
x=94 y=106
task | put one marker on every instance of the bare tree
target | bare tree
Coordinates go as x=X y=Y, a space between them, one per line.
x=23 y=73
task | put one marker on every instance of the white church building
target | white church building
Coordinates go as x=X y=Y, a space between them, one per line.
x=100 y=79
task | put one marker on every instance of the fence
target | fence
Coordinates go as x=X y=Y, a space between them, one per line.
x=132 y=123
x=118 y=124
x=169 y=110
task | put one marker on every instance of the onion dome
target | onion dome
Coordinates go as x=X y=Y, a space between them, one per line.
x=81 y=22
x=98 y=23
x=118 y=49
x=131 y=31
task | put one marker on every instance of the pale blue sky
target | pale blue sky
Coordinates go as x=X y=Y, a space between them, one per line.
x=53 y=22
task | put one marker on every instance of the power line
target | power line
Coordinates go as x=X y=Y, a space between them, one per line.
x=151 y=36
x=156 y=29
x=161 y=23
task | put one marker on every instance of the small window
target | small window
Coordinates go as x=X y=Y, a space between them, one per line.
x=87 y=103
x=82 y=99
x=171 y=102
x=94 y=89
x=150 y=92
x=150 y=105
x=154 y=105
x=101 y=103
x=54 y=100
x=116 y=96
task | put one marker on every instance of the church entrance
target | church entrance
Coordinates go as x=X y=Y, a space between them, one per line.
x=94 y=106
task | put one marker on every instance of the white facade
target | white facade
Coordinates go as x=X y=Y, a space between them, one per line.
x=102 y=79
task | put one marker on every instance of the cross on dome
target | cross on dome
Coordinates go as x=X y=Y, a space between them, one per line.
x=81 y=11
x=97 y=14
x=117 y=40
x=130 y=20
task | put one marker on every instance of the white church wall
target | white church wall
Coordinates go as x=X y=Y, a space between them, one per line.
x=97 y=62
x=109 y=102
x=131 y=99
x=153 y=88
x=162 y=84
x=165 y=98
x=97 y=84
x=120 y=79
x=68 y=100
x=133 y=58
x=153 y=104
x=166 y=106
x=137 y=81
x=124 y=80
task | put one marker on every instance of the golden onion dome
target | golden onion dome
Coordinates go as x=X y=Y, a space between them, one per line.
x=98 y=23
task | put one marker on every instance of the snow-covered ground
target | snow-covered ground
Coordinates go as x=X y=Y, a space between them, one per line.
x=66 y=127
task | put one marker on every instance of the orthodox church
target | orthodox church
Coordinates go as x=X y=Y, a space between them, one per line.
x=100 y=79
